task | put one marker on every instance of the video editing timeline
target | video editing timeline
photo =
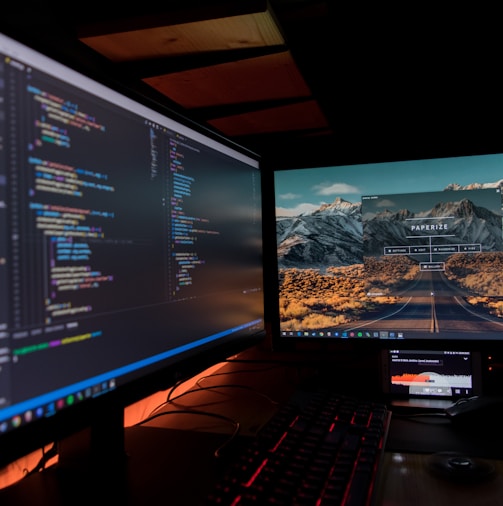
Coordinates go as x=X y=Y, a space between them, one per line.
x=431 y=373
x=108 y=204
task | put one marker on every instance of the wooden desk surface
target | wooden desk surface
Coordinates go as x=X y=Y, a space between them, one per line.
x=406 y=480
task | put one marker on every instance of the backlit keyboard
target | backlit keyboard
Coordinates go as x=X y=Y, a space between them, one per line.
x=320 y=448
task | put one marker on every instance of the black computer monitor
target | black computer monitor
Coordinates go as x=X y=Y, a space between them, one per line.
x=399 y=254
x=130 y=250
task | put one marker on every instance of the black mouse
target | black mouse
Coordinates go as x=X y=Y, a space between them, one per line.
x=476 y=409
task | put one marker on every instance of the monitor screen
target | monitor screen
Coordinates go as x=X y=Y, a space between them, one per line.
x=130 y=251
x=391 y=254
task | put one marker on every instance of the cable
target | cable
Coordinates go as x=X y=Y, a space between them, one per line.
x=430 y=414
x=180 y=382
x=46 y=456
x=170 y=399
x=214 y=387
x=218 y=451
x=174 y=387
x=231 y=385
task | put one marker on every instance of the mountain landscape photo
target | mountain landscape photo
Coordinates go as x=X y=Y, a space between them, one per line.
x=332 y=260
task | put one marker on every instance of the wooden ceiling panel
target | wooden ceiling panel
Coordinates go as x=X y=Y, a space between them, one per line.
x=268 y=77
x=302 y=116
x=244 y=31
x=234 y=72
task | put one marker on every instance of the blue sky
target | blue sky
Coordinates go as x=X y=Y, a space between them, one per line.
x=303 y=190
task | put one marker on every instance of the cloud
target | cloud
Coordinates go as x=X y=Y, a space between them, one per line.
x=289 y=196
x=335 y=189
x=385 y=203
x=297 y=210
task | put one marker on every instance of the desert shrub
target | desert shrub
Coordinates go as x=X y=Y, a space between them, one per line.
x=294 y=310
x=318 y=321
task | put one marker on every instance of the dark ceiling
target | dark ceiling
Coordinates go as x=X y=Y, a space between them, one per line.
x=302 y=82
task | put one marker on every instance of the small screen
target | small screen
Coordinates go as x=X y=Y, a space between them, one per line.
x=430 y=373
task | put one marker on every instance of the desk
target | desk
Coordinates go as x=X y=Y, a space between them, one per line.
x=246 y=388
x=406 y=480
x=171 y=458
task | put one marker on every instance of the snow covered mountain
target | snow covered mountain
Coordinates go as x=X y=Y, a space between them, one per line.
x=330 y=236
x=333 y=235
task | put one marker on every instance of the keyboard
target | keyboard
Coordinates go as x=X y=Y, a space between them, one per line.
x=320 y=448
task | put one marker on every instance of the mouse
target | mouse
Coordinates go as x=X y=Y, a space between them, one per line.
x=483 y=409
